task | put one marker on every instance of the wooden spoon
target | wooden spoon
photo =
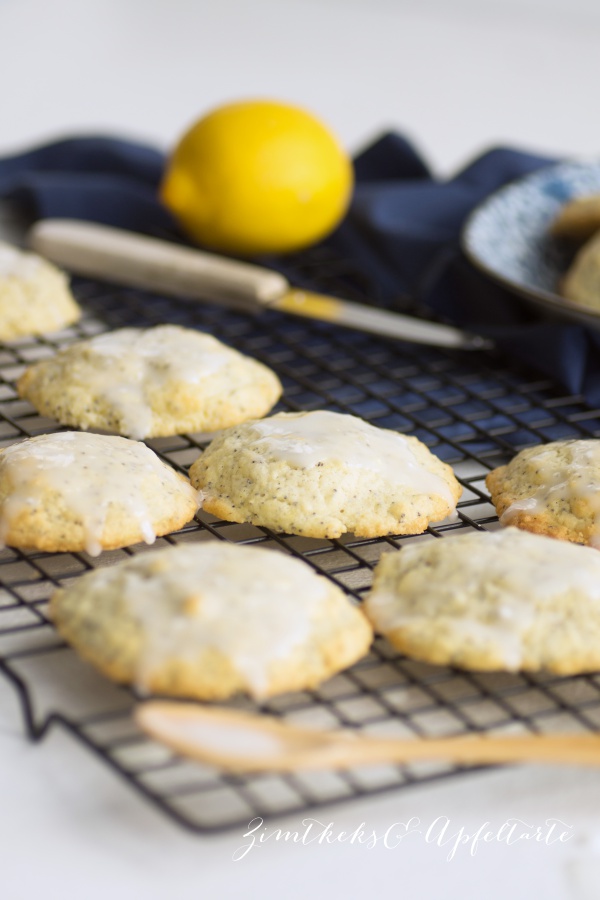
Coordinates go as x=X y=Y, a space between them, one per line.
x=240 y=741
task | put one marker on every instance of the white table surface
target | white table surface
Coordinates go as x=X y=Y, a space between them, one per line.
x=457 y=76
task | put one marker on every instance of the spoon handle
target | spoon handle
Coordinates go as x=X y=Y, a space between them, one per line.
x=240 y=741
x=576 y=749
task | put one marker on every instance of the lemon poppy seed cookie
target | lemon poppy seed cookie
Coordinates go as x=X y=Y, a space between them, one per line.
x=578 y=219
x=211 y=620
x=581 y=284
x=75 y=491
x=501 y=601
x=150 y=383
x=552 y=489
x=35 y=297
x=321 y=474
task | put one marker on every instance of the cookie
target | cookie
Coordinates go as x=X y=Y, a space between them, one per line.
x=552 y=489
x=75 y=491
x=581 y=284
x=34 y=295
x=506 y=601
x=578 y=219
x=150 y=383
x=210 y=620
x=321 y=474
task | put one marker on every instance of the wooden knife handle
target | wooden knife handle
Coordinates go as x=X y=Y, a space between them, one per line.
x=144 y=262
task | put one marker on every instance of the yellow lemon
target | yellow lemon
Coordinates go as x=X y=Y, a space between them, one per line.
x=258 y=177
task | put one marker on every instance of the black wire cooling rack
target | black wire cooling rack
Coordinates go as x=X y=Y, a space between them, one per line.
x=473 y=410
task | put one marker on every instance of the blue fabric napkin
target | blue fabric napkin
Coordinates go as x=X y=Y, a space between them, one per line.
x=402 y=229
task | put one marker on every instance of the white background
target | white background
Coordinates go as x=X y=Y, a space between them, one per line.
x=458 y=77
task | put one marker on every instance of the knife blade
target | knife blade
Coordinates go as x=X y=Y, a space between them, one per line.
x=115 y=255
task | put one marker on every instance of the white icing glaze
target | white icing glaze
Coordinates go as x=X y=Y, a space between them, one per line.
x=183 y=353
x=578 y=478
x=253 y=606
x=307 y=439
x=494 y=595
x=90 y=471
x=131 y=363
x=15 y=263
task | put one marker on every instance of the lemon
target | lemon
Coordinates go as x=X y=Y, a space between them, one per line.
x=257 y=177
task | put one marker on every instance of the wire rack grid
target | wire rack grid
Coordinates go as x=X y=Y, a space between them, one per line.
x=473 y=410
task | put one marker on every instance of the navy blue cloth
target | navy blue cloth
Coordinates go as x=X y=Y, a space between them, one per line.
x=99 y=179
x=402 y=229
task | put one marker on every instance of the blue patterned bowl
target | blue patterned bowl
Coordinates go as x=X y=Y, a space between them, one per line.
x=507 y=236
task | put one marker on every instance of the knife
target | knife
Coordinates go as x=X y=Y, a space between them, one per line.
x=115 y=255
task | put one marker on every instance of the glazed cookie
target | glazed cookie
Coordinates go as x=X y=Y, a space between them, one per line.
x=501 y=601
x=578 y=219
x=34 y=295
x=581 y=284
x=74 y=491
x=210 y=620
x=148 y=383
x=320 y=474
x=552 y=489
